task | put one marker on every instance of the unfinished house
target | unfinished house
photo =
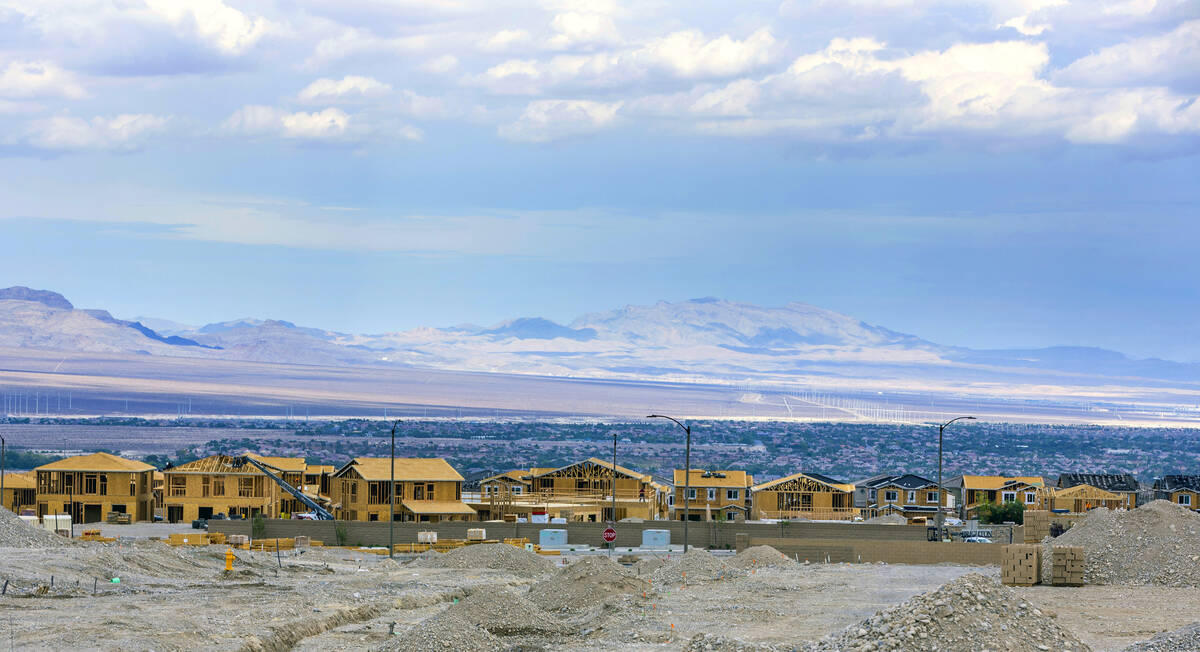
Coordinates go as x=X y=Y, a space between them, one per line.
x=588 y=487
x=20 y=492
x=711 y=495
x=1081 y=498
x=911 y=496
x=1183 y=490
x=804 y=496
x=975 y=490
x=1122 y=484
x=316 y=479
x=88 y=487
x=218 y=484
x=427 y=490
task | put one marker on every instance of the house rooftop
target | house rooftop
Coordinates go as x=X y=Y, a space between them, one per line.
x=1106 y=481
x=96 y=462
x=433 y=469
x=702 y=478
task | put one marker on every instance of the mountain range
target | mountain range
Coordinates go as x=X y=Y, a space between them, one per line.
x=701 y=340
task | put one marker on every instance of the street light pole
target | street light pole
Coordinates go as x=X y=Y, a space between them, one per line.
x=687 y=475
x=941 y=516
x=3 y=470
x=392 y=499
x=613 y=545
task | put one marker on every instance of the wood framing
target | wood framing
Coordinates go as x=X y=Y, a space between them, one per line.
x=88 y=487
x=20 y=492
x=804 y=496
x=216 y=485
x=427 y=490
x=1082 y=498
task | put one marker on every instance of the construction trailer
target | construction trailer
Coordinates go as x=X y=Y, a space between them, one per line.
x=233 y=486
x=809 y=496
x=711 y=495
x=426 y=490
x=88 y=487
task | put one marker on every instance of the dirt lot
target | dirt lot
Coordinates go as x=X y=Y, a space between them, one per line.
x=180 y=599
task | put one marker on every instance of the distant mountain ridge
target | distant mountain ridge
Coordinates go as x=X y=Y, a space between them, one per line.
x=704 y=339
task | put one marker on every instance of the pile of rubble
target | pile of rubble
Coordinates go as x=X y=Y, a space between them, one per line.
x=589 y=582
x=1185 y=639
x=496 y=556
x=973 y=612
x=696 y=565
x=15 y=533
x=1155 y=544
x=759 y=557
x=503 y=612
x=440 y=633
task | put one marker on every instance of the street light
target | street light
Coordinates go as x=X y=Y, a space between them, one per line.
x=941 y=516
x=3 y=470
x=687 y=474
x=614 y=492
x=392 y=500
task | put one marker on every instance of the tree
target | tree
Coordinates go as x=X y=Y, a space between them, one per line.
x=258 y=527
x=1010 y=510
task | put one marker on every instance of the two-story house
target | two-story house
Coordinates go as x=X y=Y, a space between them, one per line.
x=971 y=491
x=1183 y=490
x=427 y=490
x=220 y=484
x=1124 y=485
x=711 y=495
x=911 y=496
x=88 y=487
x=804 y=496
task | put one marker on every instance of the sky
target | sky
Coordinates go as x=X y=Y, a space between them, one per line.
x=988 y=174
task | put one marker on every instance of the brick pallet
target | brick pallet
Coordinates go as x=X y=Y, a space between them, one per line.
x=1037 y=525
x=1066 y=563
x=1021 y=565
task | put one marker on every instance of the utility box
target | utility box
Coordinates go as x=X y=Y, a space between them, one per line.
x=552 y=538
x=476 y=534
x=656 y=538
x=426 y=537
x=56 y=522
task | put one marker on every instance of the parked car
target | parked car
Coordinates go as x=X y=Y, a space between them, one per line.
x=200 y=524
x=977 y=540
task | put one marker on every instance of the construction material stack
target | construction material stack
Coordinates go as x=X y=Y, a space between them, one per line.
x=1037 y=525
x=1021 y=565
x=1066 y=566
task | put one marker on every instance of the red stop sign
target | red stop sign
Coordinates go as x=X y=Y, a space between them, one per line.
x=610 y=535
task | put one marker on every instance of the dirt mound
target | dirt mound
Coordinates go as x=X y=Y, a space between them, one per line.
x=15 y=533
x=696 y=565
x=1184 y=639
x=717 y=643
x=505 y=613
x=443 y=632
x=647 y=565
x=758 y=557
x=973 y=612
x=1155 y=544
x=496 y=556
x=584 y=584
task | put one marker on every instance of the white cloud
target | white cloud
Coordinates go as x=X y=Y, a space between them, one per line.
x=230 y=30
x=121 y=132
x=546 y=120
x=442 y=65
x=505 y=39
x=574 y=29
x=38 y=79
x=1156 y=60
x=689 y=54
x=349 y=87
x=330 y=125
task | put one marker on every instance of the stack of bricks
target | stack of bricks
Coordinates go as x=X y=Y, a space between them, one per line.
x=1037 y=525
x=1021 y=565
x=1066 y=566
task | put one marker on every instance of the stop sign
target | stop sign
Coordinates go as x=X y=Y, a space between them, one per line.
x=610 y=535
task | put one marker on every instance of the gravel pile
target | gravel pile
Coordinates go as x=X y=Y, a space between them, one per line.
x=760 y=556
x=505 y=613
x=973 y=612
x=441 y=633
x=717 y=643
x=589 y=582
x=15 y=533
x=1185 y=639
x=1155 y=544
x=496 y=556
x=696 y=565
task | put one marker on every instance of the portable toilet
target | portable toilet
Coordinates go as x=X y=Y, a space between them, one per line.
x=656 y=538
x=552 y=538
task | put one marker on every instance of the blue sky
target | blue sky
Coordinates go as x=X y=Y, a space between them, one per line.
x=989 y=174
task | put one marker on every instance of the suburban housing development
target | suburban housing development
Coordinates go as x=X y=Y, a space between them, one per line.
x=91 y=487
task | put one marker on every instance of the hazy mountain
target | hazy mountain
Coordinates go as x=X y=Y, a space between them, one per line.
x=697 y=340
